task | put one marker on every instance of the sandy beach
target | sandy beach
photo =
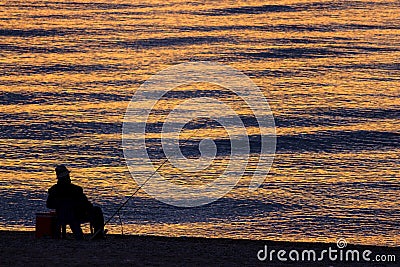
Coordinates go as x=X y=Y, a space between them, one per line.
x=259 y=120
x=22 y=248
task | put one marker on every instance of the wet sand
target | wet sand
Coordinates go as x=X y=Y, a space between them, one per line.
x=22 y=248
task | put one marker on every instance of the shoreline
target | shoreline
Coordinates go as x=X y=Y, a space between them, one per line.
x=21 y=247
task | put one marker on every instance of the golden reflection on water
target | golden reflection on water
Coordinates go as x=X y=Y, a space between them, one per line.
x=81 y=63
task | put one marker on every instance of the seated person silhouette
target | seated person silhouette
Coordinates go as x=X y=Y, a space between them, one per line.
x=72 y=206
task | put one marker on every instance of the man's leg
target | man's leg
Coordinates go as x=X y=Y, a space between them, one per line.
x=63 y=231
x=97 y=221
x=77 y=230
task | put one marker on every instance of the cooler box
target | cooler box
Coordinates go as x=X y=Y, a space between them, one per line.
x=46 y=225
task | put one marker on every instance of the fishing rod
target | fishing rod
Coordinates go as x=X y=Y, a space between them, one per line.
x=140 y=187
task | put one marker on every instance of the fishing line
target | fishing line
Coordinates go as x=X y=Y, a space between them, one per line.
x=120 y=222
x=140 y=187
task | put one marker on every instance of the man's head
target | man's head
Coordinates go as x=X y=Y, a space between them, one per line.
x=62 y=174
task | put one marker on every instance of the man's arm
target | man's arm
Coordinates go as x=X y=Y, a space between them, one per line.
x=81 y=199
x=51 y=202
x=85 y=202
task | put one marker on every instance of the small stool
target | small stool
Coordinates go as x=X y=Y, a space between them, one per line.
x=64 y=230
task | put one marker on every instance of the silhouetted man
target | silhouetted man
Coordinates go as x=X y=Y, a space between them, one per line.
x=72 y=206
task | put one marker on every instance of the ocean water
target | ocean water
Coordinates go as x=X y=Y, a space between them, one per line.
x=329 y=69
